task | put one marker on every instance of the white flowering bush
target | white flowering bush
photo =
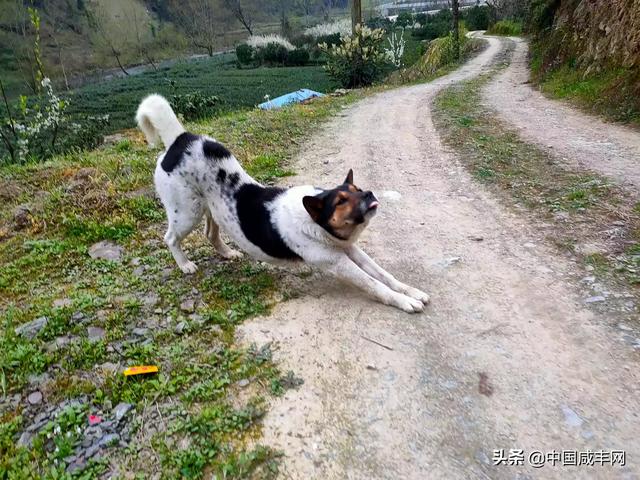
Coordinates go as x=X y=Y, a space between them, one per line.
x=395 y=52
x=261 y=41
x=341 y=27
x=359 y=60
x=39 y=128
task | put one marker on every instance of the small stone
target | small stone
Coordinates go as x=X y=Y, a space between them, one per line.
x=392 y=195
x=31 y=329
x=180 y=328
x=242 y=383
x=188 y=306
x=76 y=466
x=595 y=299
x=92 y=450
x=138 y=271
x=447 y=262
x=70 y=459
x=22 y=216
x=35 y=398
x=624 y=327
x=62 y=302
x=217 y=329
x=136 y=261
x=59 y=343
x=121 y=410
x=25 y=439
x=151 y=300
x=371 y=367
x=571 y=417
x=95 y=334
x=38 y=380
x=140 y=331
x=109 y=439
x=158 y=311
x=78 y=317
x=475 y=238
x=106 y=250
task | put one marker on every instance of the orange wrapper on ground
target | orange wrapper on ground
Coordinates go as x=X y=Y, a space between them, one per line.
x=140 y=370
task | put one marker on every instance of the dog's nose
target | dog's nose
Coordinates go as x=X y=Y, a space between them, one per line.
x=369 y=195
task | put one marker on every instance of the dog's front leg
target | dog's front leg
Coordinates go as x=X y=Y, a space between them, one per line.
x=345 y=269
x=365 y=262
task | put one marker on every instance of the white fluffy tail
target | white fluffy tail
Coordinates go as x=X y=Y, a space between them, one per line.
x=157 y=121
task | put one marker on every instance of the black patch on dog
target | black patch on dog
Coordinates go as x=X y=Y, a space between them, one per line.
x=177 y=150
x=233 y=179
x=255 y=220
x=222 y=176
x=215 y=150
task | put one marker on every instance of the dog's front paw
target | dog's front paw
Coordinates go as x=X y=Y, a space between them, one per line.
x=406 y=303
x=418 y=295
x=232 y=254
x=189 y=268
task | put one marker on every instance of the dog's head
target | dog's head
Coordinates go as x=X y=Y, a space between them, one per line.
x=343 y=211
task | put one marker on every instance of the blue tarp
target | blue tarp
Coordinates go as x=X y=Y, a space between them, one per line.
x=293 y=97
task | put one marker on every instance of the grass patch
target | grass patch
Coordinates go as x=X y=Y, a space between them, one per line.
x=45 y=271
x=509 y=28
x=575 y=207
x=610 y=92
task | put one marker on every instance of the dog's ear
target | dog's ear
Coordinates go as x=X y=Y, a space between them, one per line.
x=349 y=179
x=313 y=205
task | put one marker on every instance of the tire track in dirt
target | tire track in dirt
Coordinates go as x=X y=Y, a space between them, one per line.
x=506 y=356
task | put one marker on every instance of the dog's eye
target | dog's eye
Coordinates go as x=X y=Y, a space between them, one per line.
x=342 y=201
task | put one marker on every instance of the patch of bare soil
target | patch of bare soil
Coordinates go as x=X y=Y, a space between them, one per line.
x=507 y=356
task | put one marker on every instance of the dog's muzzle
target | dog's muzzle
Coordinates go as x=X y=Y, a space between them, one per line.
x=369 y=205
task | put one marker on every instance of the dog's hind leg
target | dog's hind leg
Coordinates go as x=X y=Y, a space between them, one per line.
x=212 y=232
x=181 y=223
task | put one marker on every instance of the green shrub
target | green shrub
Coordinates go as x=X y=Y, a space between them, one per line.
x=297 y=57
x=379 y=22
x=477 y=18
x=272 y=54
x=430 y=31
x=303 y=40
x=508 y=28
x=330 y=40
x=434 y=26
x=405 y=19
x=360 y=60
x=244 y=53
x=196 y=105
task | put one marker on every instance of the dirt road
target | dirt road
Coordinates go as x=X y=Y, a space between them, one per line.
x=507 y=356
x=574 y=137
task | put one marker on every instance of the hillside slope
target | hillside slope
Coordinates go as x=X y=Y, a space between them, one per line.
x=589 y=50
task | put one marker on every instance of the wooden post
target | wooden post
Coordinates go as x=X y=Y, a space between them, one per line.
x=356 y=14
x=456 y=31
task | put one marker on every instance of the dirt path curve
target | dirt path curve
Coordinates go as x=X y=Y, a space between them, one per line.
x=577 y=138
x=506 y=356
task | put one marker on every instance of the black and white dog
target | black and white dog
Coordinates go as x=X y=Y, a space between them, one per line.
x=197 y=176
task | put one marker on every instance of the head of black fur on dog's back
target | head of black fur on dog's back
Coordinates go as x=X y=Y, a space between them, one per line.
x=342 y=211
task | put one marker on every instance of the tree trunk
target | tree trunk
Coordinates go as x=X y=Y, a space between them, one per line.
x=115 y=54
x=456 y=31
x=356 y=14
